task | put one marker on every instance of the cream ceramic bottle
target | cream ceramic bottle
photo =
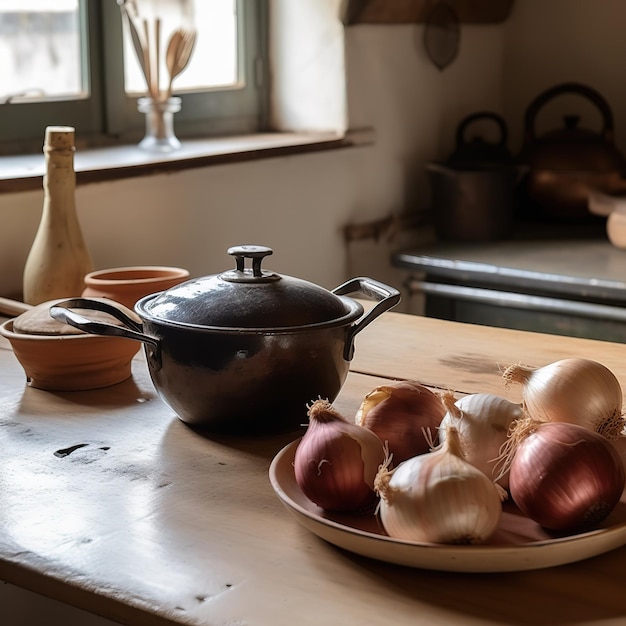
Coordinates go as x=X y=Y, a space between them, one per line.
x=58 y=259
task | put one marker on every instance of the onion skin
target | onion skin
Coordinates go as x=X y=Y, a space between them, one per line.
x=566 y=477
x=620 y=447
x=336 y=461
x=575 y=390
x=439 y=497
x=483 y=421
x=399 y=413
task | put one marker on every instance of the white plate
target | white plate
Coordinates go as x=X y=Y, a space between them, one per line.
x=518 y=544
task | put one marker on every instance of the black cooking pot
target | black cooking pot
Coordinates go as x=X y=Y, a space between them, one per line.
x=244 y=351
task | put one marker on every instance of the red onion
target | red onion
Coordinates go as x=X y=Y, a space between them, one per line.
x=620 y=447
x=336 y=461
x=400 y=412
x=565 y=477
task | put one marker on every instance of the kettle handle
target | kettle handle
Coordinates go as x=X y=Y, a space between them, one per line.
x=576 y=88
x=480 y=115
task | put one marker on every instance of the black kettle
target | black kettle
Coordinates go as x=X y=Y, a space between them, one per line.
x=473 y=191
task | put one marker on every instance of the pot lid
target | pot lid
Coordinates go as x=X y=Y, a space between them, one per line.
x=247 y=297
x=37 y=320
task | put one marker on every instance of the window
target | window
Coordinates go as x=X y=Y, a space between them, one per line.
x=41 y=50
x=72 y=62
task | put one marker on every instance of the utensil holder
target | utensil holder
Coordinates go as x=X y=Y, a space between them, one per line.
x=160 y=136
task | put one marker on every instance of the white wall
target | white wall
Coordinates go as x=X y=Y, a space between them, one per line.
x=307 y=65
x=414 y=110
x=554 y=41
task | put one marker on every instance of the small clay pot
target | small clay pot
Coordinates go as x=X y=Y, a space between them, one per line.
x=57 y=358
x=126 y=285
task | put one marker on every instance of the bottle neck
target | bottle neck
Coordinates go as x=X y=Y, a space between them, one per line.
x=59 y=167
x=59 y=183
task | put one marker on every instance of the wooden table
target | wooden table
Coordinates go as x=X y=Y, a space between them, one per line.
x=109 y=503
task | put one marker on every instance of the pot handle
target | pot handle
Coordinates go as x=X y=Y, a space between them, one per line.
x=131 y=330
x=388 y=297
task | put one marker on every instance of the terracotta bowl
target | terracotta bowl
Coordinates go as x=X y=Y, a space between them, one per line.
x=126 y=285
x=66 y=360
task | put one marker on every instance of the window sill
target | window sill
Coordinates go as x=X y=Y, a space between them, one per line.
x=25 y=172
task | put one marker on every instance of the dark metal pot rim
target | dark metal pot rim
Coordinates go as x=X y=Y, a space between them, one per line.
x=355 y=310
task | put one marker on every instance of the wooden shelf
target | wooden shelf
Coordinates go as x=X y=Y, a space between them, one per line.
x=417 y=11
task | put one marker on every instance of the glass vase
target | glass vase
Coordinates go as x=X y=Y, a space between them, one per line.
x=159 y=135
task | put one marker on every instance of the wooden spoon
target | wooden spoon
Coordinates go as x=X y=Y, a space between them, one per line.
x=157 y=55
x=178 y=54
x=171 y=55
x=139 y=44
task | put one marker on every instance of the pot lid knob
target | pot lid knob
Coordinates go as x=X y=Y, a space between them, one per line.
x=253 y=274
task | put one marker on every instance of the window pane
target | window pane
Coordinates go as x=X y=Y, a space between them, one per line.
x=214 y=62
x=40 y=50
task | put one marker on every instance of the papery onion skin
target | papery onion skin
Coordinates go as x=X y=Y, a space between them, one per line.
x=336 y=461
x=483 y=421
x=400 y=412
x=619 y=444
x=575 y=390
x=439 y=497
x=565 y=477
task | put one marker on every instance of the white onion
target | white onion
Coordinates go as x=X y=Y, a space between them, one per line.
x=575 y=390
x=438 y=497
x=483 y=421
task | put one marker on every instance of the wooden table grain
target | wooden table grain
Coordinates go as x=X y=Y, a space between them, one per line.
x=111 y=504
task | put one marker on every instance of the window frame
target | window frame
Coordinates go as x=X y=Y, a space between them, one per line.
x=108 y=115
x=25 y=121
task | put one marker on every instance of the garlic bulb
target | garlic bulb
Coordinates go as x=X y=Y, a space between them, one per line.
x=575 y=390
x=483 y=421
x=336 y=461
x=439 y=497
